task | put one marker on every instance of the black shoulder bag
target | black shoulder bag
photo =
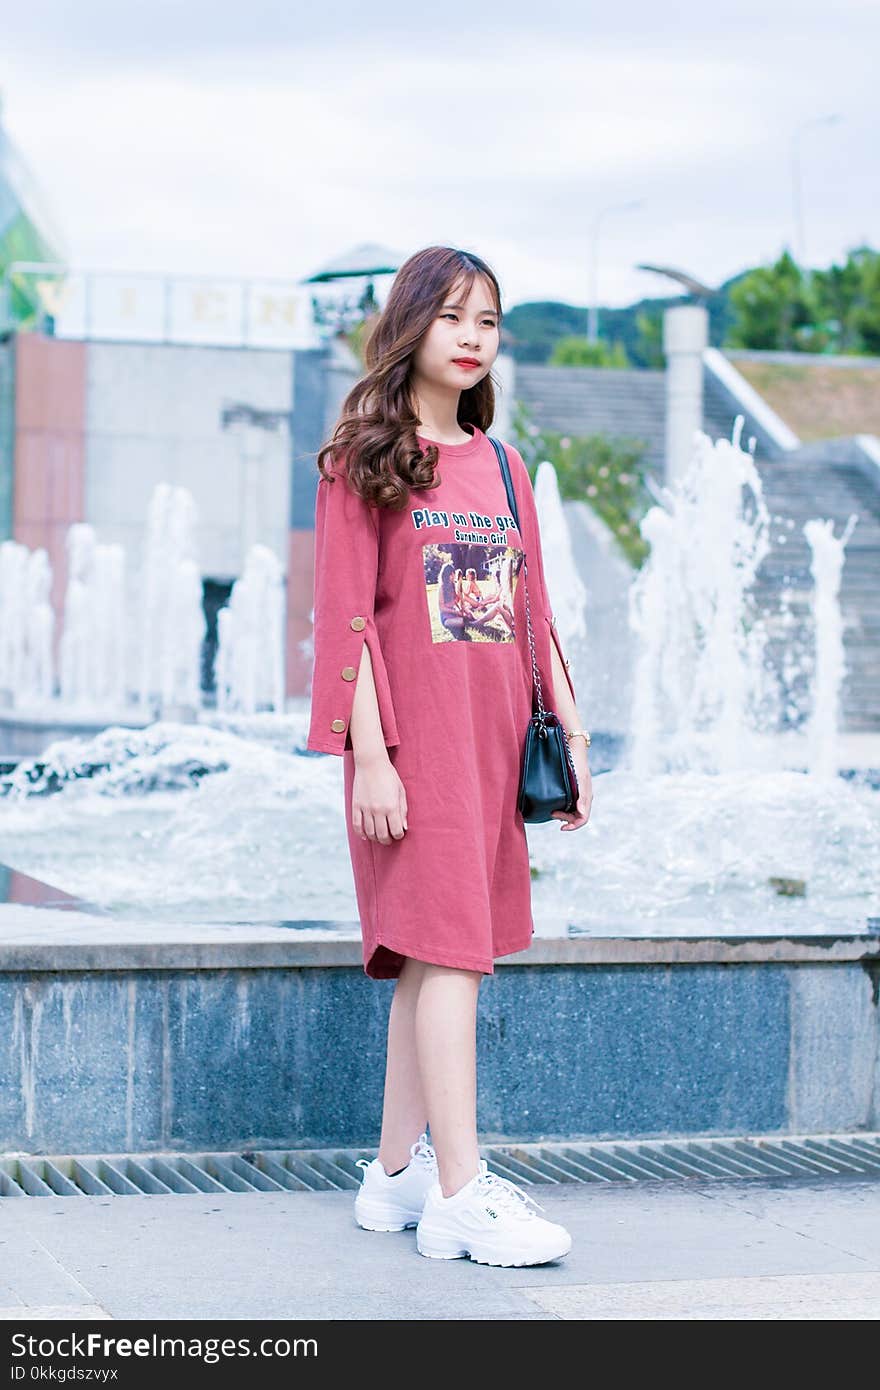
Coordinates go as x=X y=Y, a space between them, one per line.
x=548 y=781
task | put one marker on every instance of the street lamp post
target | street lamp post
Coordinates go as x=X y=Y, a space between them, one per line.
x=796 y=181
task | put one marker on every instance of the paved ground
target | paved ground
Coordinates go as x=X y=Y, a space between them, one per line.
x=651 y=1250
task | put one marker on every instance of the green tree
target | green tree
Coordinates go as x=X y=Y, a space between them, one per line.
x=774 y=309
x=865 y=312
x=837 y=294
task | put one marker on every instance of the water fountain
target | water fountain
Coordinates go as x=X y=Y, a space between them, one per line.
x=173 y=620
x=249 y=669
x=92 y=653
x=219 y=848
x=826 y=564
x=26 y=624
x=119 y=661
x=128 y=664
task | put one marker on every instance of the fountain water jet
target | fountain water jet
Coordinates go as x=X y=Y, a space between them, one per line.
x=92 y=653
x=26 y=624
x=250 y=649
x=826 y=565
x=702 y=690
x=173 y=620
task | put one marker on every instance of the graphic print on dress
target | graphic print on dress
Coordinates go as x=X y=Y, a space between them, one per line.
x=470 y=589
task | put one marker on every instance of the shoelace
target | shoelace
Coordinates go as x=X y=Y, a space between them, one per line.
x=508 y=1195
x=423 y=1150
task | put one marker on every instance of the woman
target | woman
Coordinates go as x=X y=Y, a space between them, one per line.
x=498 y=605
x=449 y=602
x=471 y=592
x=431 y=734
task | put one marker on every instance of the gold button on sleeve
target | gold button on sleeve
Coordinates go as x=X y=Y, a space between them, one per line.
x=337 y=726
x=358 y=624
x=348 y=673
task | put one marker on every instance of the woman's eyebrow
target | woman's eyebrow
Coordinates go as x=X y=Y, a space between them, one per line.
x=493 y=312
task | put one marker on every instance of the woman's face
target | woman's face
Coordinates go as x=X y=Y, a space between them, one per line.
x=463 y=328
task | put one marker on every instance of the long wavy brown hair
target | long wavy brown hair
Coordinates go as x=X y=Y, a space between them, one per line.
x=376 y=429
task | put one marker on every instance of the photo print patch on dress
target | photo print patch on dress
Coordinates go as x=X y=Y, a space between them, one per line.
x=470 y=578
x=470 y=588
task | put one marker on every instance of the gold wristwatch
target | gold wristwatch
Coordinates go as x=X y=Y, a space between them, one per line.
x=580 y=733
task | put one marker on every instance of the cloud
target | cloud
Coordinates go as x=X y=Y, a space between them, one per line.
x=261 y=141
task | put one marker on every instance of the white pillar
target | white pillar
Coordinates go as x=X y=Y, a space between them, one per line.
x=685 y=336
x=504 y=371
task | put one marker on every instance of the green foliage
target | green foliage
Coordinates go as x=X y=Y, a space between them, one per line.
x=530 y=331
x=773 y=310
x=848 y=298
x=780 y=307
x=649 y=323
x=784 y=308
x=605 y=472
x=575 y=351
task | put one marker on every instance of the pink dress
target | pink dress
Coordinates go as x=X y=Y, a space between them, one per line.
x=454 y=685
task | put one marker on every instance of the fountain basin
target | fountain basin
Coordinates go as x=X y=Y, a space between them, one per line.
x=170 y=999
x=138 y=1036
x=24 y=734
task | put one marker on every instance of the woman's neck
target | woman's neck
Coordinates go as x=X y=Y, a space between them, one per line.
x=438 y=418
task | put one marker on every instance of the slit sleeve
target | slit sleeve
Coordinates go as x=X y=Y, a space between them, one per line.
x=343 y=617
x=540 y=605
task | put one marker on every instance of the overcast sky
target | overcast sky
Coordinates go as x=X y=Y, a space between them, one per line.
x=266 y=138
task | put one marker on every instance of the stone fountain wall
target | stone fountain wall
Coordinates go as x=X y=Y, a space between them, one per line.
x=222 y=1039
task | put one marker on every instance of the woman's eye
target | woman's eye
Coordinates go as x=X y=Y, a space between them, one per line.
x=487 y=323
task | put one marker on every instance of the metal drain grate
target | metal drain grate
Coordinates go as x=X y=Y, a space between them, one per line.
x=334 y=1170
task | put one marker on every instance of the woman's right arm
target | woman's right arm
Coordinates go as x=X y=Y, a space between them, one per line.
x=351 y=703
x=346 y=570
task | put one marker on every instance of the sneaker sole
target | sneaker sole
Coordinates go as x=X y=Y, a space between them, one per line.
x=377 y=1221
x=443 y=1248
x=380 y=1226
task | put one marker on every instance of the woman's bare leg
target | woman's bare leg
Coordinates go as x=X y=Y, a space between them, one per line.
x=445 y=1037
x=497 y=610
x=404 y=1110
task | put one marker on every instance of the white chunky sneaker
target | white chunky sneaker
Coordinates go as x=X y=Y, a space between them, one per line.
x=490 y=1219
x=386 y=1203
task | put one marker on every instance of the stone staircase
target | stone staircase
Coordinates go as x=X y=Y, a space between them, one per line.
x=827 y=480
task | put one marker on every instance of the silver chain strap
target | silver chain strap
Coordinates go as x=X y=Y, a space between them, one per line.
x=541 y=725
x=536 y=675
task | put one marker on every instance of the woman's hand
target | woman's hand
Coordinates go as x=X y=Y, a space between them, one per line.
x=581 y=814
x=378 y=800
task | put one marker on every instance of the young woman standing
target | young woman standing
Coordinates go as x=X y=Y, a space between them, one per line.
x=430 y=726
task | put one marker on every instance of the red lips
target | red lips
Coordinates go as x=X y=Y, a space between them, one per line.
x=466 y=361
